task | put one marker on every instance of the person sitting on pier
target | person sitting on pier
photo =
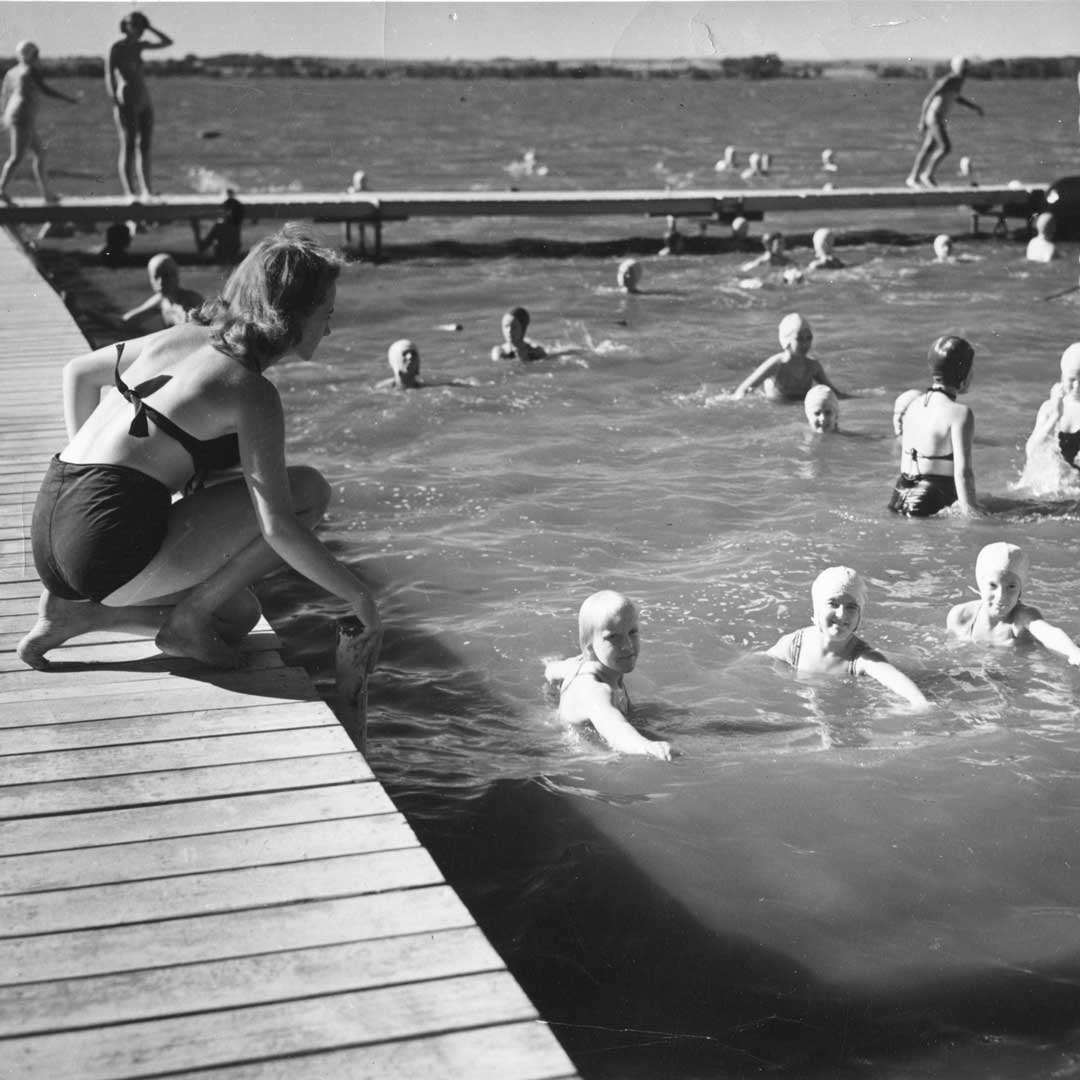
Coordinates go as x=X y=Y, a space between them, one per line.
x=114 y=548
x=170 y=299
x=789 y=374
x=932 y=122
x=515 y=345
x=830 y=646
x=936 y=434
x=629 y=275
x=1041 y=247
x=822 y=409
x=404 y=360
x=824 y=259
x=224 y=240
x=590 y=685
x=20 y=99
x=132 y=107
x=999 y=617
x=774 y=253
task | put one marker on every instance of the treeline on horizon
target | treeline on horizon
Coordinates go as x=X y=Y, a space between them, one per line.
x=766 y=66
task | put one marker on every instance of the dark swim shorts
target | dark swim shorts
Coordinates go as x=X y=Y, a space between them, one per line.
x=96 y=527
x=922 y=496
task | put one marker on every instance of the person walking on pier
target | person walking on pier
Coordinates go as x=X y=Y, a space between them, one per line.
x=20 y=97
x=130 y=96
x=935 y=111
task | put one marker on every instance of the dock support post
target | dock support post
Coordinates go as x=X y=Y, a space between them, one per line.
x=354 y=660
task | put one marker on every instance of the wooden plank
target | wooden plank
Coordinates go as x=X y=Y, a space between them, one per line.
x=275 y=1030
x=249 y=980
x=114 y=863
x=115 y=761
x=518 y=1051
x=139 y=946
x=113 y=793
x=370 y=206
x=164 y=726
x=243 y=811
x=218 y=891
x=239 y=689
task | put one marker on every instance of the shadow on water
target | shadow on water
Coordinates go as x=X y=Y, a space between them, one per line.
x=634 y=984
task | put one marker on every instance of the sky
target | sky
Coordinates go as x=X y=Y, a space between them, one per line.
x=564 y=29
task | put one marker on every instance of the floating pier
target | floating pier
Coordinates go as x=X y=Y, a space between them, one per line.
x=374 y=209
x=199 y=873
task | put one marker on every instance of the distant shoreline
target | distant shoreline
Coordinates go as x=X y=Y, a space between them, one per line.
x=766 y=66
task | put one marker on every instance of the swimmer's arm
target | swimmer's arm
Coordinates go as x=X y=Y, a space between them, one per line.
x=960 y=100
x=962 y=433
x=151 y=303
x=758 y=376
x=782 y=649
x=892 y=678
x=960 y=616
x=591 y=700
x=1046 y=420
x=1051 y=637
x=817 y=372
x=163 y=40
x=50 y=91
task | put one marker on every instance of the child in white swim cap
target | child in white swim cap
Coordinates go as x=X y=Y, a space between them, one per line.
x=590 y=685
x=628 y=275
x=830 y=645
x=789 y=375
x=822 y=409
x=1053 y=447
x=999 y=617
x=823 y=259
x=404 y=360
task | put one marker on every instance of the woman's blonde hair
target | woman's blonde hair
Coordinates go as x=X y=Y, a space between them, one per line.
x=261 y=311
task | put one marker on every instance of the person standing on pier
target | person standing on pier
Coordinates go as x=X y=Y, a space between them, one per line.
x=20 y=96
x=935 y=111
x=132 y=108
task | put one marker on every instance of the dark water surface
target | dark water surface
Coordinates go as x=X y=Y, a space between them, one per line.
x=823 y=883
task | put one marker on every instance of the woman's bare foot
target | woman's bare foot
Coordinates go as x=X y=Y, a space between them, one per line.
x=58 y=620
x=187 y=634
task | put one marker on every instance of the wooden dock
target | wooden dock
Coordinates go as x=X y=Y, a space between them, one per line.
x=373 y=209
x=198 y=871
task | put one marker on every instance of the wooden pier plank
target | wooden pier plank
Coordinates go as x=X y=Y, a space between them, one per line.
x=198 y=871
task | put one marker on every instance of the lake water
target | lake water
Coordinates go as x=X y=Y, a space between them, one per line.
x=822 y=883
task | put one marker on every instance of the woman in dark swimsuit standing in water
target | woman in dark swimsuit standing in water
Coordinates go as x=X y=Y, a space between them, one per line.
x=112 y=546
x=935 y=438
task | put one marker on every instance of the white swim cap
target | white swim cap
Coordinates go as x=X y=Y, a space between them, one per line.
x=958 y=65
x=396 y=353
x=740 y=226
x=997 y=558
x=942 y=245
x=1070 y=358
x=823 y=241
x=790 y=325
x=629 y=273
x=835 y=581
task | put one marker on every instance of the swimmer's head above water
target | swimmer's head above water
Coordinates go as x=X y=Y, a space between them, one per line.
x=822 y=409
x=795 y=333
x=950 y=359
x=608 y=630
x=162 y=271
x=629 y=275
x=1004 y=566
x=404 y=360
x=834 y=589
x=942 y=246
x=823 y=243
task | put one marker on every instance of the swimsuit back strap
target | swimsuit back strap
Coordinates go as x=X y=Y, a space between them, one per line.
x=143 y=412
x=795 y=648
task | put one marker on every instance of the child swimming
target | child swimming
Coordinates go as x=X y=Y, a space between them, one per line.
x=515 y=345
x=788 y=375
x=591 y=684
x=823 y=259
x=628 y=275
x=999 y=617
x=830 y=646
x=822 y=409
x=1041 y=247
x=404 y=360
x=774 y=253
x=936 y=434
x=1054 y=442
x=170 y=299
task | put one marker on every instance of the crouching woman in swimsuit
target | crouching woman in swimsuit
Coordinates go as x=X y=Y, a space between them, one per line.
x=936 y=434
x=113 y=548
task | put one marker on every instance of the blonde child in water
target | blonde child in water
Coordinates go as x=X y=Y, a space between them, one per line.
x=591 y=687
x=1054 y=443
x=172 y=301
x=822 y=409
x=789 y=374
x=831 y=647
x=999 y=617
